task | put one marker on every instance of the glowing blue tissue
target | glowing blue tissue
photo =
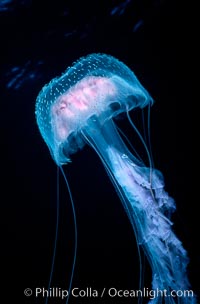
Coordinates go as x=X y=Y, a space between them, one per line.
x=78 y=108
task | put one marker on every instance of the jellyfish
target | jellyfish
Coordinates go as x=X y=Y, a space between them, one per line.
x=79 y=108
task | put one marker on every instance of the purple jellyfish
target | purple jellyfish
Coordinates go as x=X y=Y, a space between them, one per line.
x=79 y=108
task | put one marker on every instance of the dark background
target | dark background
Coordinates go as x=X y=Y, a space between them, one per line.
x=39 y=40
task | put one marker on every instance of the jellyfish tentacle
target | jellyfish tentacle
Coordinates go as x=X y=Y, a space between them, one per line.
x=56 y=234
x=144 y=144
x=75 y=233
x=131 y=146
x=121 y=196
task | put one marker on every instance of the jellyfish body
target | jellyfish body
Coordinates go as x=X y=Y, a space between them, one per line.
x=78 y=108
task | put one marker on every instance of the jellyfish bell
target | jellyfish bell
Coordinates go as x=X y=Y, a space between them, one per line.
x=97 y=86
x=78 y=108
